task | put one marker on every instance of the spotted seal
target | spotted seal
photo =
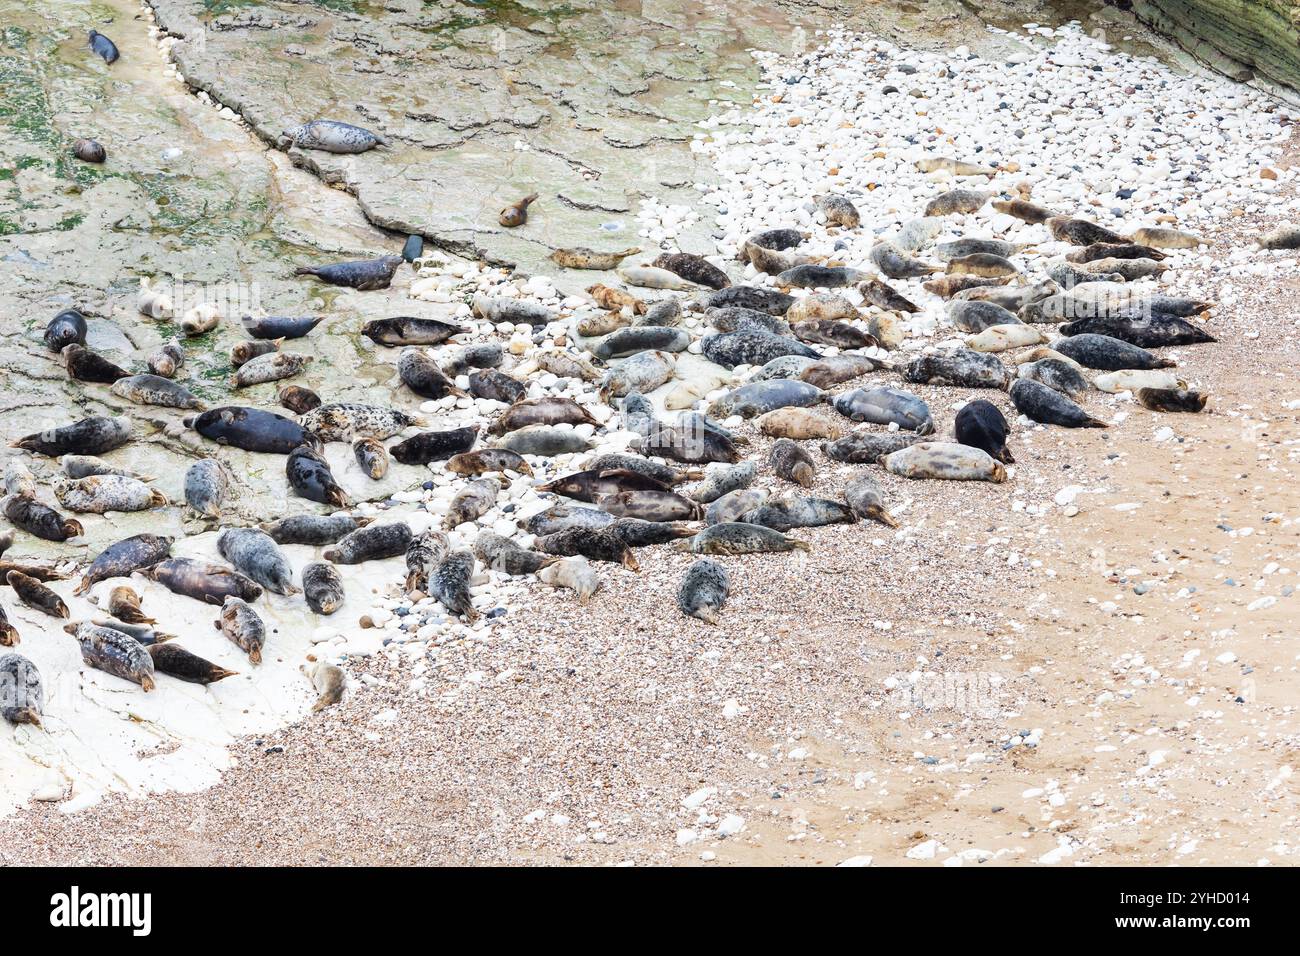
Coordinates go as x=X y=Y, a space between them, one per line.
x=147 y=389
x=41 y=520
x=66 y=328
x=1081 y=232
x=425 y=447
x=372 y=543
x=868 y=447
x=331 y=136
x=574 y=573
x=371 y=457
x=347 y=421
x=114 y=652
x=596 y=544
x=798 y=423
x=322 y=587
x=884 y=405
x=1024 y=210
x=36 y=595
x=123 y=557
x=894 y=263
x=421 y=374
x=786 y=514
x=1172 y=399
x=734 y=537
x=956 y=202
x=209 y=583
x=242 y=352
x=166 y=360
x=884 y=296
x=243 y=627
x=329 y=682
x=948 y=461
x=310 y=477
x=83 y=365
x=580 y=257
x=364 y=275
x=750 y=401
x=1065 y=377
x=516 y=214
x=505 y=556
x=255 y=553
x=496 y=386
x=485 y=460
x=89 y=436
x=315 y=530
x=746 y=297
x=423 y=555
x=643 y=372
x=124 y=604
x=703 y=590
x=978 y=315
x=24 y=699
x=963 y=368
x=474 y=500
x=408 y=330
x=693 y=268
x=641 y=338
x=1108 y=354
x=1153 y=331
x=864 y=497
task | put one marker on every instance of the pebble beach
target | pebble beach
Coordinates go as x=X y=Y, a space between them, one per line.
x=1086 y=663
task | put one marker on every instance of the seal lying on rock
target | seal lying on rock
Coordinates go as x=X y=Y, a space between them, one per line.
x=114 y=653
x=362 y=274
x=331 y=136
x=89 y=436
x=407 y=330
x=243 y=627
x=580 y=257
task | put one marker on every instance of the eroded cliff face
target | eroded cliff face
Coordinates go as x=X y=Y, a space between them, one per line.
x=1255 y=40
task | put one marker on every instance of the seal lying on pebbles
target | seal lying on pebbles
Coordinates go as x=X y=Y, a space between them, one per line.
x=1132 y=380
x=251 y=429
x=650 y=505
x=167 y=359
x=830 y=332
x=331 y=136
x=884 y=405
x=315 y=530
x=917 y=234
x=18 y=479
x=1011 y=298
x=449 y=583
x=1108 y=354
x=949 y=285
x=485 y=460
x=542 y=440
x=641 y=338
x=884 y=296
x=792 y=463
x=41 y=520
x=962 y=248
x=371 y=457
x=650 y=277
x=665 y=312
x=89 y=436
x=423 y=555
x=745 y=297
x=209 y=583
x=811 y=276
x=103 y=493
x=175 y=661
x=83 y=466
x=347 y=421
x=36 y=595
x=1081 y=232
x=773 y=262
x=734 y=537
x=481 y=355
x=1000 y=338
x=310 y=477
x=124 y=604
x=371 y=543
x=798 y=423
x=1146 y=332
x=407 y=330
x=504 y=556
x=736 y=319
x=693 y=268
x=278 y=327
x=580 y=257
x=734 y=505
x=783 y=366
x=499 y=308
x=953 y=167
x=207 y=486
x=1039 y=403
x=956 y=202
x=643 y=372
x=255 y=553
x=66 y=328
x=574 y=573
x=608 y=297
x=84 y=365
x=788 y=513
x=123 y=557
x=976 y=316
x=1165 y=238
x=752 y=400
x=590 y=485
x=596 y=544
x=114 y=653
x=364 y=275
x=564 y=517
x=473 y=501
x=838 y=210
x=983 y=264
x=24 y=703
x=155 y=390
x=1171 y=399
x=516 y=214
x=836 y=369
x=243 y=627
x=751 y=346
x=1024 y=210
x=329 y=682
x=944 y=460
x=960 y=367
x=322 y=587
x=1065 y=377
x=496 y=386
x=778 y=239
x=421 y=375
x=868 y=447
x=865 y=498
x=704 y=590
x=666 y=475
x=1283 y=237
x=980 y=425
x=1111 y=250
x=821 y=306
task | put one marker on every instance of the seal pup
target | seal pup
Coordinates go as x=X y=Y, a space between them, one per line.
x=329 y=682
x=101 y=494
x=167 y=360
x=103 y=46
x=209 y=583
x=485 y=460
x=986 y=265
x=574 y=573
x=207 y=488
x=472 y=502
x=810 y=276
x=944 y=460
x=124 y=604
x=426 y=447
x=371 y=457
x=175 y=661
x=8 y=633
x=956 y=202
x=516 y=214
x=255 y=553
x=831 y=332
x=449 y=584
x=423 y=555
x=315 y=530
x=980 y=425
x=1109 y=354
x=123 y=557
x=976 y=316
x=24 y=702
x=1134 y=379
x=89 y=436
x=545 y=441
x=364 y=275
x=371 y=543
x=504 y=556
x=693 y=268
x=421 y=375
x=1039 y=403
x=735 y=537
x=41 y=520
x=580 y=257
x=322 y=587
x=83 y=466
x=1024 y=210
x=650 y=505
x=949 y=285
x=83 y=365
x=884 y=296
x=734 y=505
x=884 y=405
x=310 y=477
x=917 y=234
x=602 y=323
x=1283 y=237
x=745 y=297
x=89 y=151
x=963 y=368
x=953 y=167
x=407 y=330
x=1164 y=238
x=838 y=210
x=836 y=369
x=66 y=328
x=147 y=389
x=651 y=277
x=36 y=595
x=331 y=136
x=865 y=499
x=114 y=652
x=1172 y=399
x=243 y=627
x=1000 y=338
x=704 y=590
x=792 y=463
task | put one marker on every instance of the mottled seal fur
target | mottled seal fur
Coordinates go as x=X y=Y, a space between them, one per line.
x=704 y=590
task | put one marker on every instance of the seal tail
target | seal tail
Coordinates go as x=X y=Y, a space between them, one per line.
x=28 y=715
x=306 y=271
x=220 y=673
x=146 y=683
x=708 y=615
x=1165 y=363
x=1090 y=422
x=800 y=545
x=878 y=513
